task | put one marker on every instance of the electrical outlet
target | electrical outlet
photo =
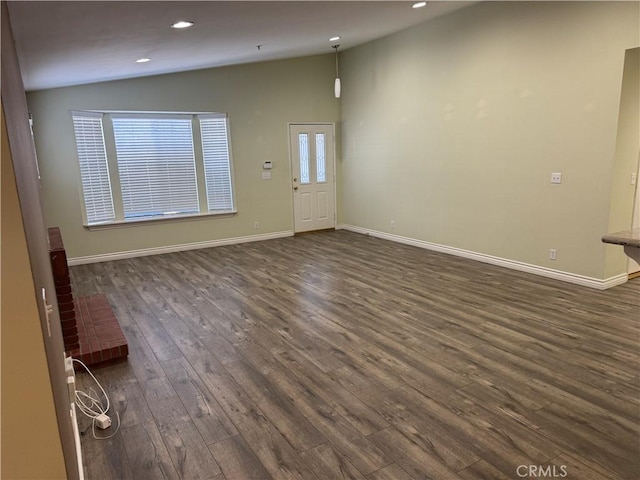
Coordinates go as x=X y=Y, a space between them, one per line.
x=393 y=224
x=556 y=177
x=256 y=225
x=68 y=366
x=71 y=378
x=552 y=254
x=71 y=387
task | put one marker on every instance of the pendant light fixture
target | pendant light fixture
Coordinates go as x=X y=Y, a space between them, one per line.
x=336 y=84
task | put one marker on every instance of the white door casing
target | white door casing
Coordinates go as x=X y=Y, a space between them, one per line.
x=27 y=178
x=313 y=179
x=632 y=265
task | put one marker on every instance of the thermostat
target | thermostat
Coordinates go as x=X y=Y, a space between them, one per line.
x=267 y=165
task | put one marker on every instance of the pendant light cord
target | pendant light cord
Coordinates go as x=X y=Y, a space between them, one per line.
x=336 y=48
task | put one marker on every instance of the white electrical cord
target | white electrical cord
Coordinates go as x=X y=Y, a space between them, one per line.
x=92 y=406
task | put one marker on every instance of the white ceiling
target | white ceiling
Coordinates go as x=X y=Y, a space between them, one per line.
x=63 y=43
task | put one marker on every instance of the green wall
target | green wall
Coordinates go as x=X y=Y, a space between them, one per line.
x=452 y=128
x=261 y=99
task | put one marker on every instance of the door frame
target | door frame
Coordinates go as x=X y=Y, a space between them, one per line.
x=632 y=266
x=14 y=104
x=335 y=175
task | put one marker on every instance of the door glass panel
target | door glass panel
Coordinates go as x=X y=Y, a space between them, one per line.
x=303 y=148
x=321 y=174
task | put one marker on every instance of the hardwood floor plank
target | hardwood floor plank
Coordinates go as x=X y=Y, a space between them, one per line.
x=275 y=405
x=350 y=443
x=187 y=449
x=592 y=423
x=127 y=399
x=147 y=453
x=327 y=463
x=338 y=354
x=411 y=457
x=187 y=305
x=82 y=280
x=250 y=313
x=433 y=438
x=141 y=357
x=390 y=472
x=604 y=450
x=516 y=437
x=205 y=412
x=579 y=467
x=104 y=459
x=409 y=365
x=403 y=410
x=546 y=375
x=482 y=470
x=276 y=454
x=237 y=460
x=585 y=371
x=357 y=413
x=143 y=361
x=475 y=438
x=156 y=336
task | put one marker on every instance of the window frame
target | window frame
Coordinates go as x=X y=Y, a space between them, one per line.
x=114 y=175
x=92 y=164
x=198 y=122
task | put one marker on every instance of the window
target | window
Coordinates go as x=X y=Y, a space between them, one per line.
x=217 y=167
x=303 y=146
x=321 y=175
x=157 y=167
x=156 y=172
x=96 y=185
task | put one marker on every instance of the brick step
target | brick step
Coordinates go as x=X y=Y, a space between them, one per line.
x=101 y=339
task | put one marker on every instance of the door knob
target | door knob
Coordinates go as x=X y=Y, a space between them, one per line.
x=295 y=188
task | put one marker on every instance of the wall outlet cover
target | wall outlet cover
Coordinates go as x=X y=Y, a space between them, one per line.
x=556 y=177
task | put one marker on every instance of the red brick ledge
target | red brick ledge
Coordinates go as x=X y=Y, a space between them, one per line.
x=101 y=339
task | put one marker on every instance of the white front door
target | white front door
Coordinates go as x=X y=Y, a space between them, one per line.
x=313 y=182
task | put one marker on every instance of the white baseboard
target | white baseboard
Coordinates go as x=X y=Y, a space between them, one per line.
x=175 y=248
x=501 y=262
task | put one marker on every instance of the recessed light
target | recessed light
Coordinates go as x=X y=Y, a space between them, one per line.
x=419 y=5
x=334 y=39
x=182 y=24
x=143 y=60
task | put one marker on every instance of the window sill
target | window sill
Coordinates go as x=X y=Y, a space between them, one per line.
x=142 y=221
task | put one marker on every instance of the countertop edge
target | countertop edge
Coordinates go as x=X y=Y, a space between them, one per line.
x=627 y=238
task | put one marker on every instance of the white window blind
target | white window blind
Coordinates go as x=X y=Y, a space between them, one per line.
x=217 y=167
x=156 y=165
x=94 y=172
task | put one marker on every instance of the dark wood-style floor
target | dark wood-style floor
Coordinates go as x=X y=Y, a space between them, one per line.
x=336 y=355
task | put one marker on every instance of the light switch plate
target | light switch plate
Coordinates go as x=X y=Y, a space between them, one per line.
x=266 y=175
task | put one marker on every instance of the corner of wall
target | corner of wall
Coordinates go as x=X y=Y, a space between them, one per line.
x=625 y=162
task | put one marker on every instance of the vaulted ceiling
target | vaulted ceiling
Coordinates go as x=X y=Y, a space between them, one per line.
x=63 y=43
